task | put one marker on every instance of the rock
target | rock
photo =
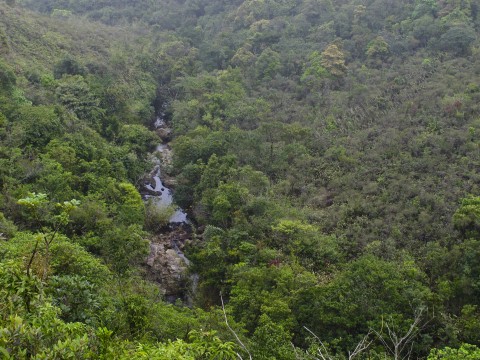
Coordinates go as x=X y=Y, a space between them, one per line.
x=164 y=134
x=147 y=192
x=169 y=182
x=166 y=264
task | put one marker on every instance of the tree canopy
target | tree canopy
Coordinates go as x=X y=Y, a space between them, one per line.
x=326 y=153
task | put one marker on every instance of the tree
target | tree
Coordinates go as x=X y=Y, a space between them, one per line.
x=75 y=94
x=323 y=351
x=271 y=341
x=225 y=203
x=243 y=58
x=333 y=60
x=68 y=65
x=399 y=345
x=458 y=39
x=7 y=77
x=137 y=138
x=425 y=8
x=126 y=204
x=426 y=29
x=368 y=290
x=330 y=64
x=314 y=69
x=268 y=64
x=124 y=248
x=465 y=352
x=34 y=204
x=378 y=50
x=467 y=217
x=36 y=125
x=269 y=289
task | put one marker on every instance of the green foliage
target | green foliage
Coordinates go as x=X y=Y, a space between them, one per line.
x=268 y=64
x=466 y=351
x=333 y=60
x=7 y=227
x=206 y=345
x=76 y=297
x=368 y=290
x=7 y=78
x=126 y=204
x=467 y=217
x=314 y=68
x=267 y=290
x=378 y=49
x=72 y=260
x=426 y=29
x=67 y=66
x=124 y=247
x=469 y=324
x=74 y=93
x=271 y=341
x=17 y=291
x=425 y=7
x=458 y=39
x=137 y=138
x=225 y=202
x=329 y=195
x=4 y=46
x=36 y=125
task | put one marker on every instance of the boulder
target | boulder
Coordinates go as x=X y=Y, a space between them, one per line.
x=166 y=264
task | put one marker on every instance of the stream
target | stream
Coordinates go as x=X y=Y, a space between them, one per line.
x=167 y=256
x=163 y=197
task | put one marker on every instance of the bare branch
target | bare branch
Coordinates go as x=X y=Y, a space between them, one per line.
x=362 y=345
x=409 y=352
x=34 y=252
x=380 y=337
x=233 y=332
x=326 y=356
x=295 y=351
x=395 y=344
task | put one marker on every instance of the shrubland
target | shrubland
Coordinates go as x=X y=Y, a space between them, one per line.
x=327 y=150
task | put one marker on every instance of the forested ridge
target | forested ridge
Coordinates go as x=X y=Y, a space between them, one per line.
x=327 y=153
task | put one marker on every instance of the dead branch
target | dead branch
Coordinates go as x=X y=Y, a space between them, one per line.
x=323 y=356
x=396 y=344
x=362 y=345
x=234 y=333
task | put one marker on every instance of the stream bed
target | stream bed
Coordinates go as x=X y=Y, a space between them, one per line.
x=161 y=195
x=167 y=265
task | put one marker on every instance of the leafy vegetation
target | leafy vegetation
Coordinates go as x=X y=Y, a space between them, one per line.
x=327 y=152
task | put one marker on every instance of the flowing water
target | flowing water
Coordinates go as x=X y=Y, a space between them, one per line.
x=162 y=197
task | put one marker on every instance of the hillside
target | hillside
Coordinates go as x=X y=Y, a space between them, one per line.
x=327 y=153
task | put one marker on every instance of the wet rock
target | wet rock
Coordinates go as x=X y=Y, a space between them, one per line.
x=169 y=182
x=148 y=192
x=164 y=133
x=166 y=264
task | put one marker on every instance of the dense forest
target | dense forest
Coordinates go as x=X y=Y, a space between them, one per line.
x=327 y=153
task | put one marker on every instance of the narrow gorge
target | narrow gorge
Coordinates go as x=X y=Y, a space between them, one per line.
x=166 y=263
